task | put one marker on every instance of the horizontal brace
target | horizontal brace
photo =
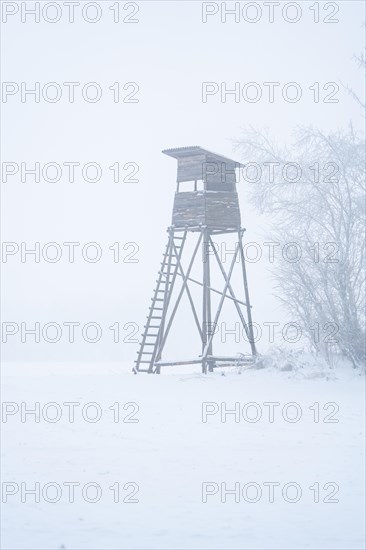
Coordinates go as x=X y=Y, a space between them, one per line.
x=175 y=363
x=233 y=360
x=227 y=358
x=195 y=228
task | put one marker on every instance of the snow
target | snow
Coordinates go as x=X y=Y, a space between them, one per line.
x=170 y=452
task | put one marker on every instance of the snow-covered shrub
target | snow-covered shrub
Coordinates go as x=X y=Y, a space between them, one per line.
x=298 y=363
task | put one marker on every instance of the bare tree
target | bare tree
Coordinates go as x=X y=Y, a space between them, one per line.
x=319 y=205
x=360 y=61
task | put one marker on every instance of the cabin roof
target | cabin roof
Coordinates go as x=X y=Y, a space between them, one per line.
x=192 y=150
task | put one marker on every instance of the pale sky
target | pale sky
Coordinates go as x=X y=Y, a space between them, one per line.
x=169 y=53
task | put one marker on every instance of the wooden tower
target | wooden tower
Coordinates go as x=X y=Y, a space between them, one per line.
x=209 y=208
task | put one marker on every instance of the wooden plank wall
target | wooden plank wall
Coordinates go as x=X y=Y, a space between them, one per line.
x=219 y=174
x=190 y=168
x=215 y=209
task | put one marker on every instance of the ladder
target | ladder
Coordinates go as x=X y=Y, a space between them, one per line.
x=152 y=336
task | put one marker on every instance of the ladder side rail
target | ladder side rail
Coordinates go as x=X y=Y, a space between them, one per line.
x=168 y=293
x=178 y=256
x=166 y=278
x=147 y=325
x=180 y=295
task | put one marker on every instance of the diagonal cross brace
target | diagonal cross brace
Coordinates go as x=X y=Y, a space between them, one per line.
x=184 y=284
x=188 y=292
x=227 y=278
x=230 y=287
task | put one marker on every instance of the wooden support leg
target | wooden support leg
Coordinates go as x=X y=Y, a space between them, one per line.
x=222 y=300
x=246 y=291
x=207 y=320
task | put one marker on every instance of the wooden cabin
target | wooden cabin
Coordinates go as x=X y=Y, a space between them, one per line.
x=206 y=190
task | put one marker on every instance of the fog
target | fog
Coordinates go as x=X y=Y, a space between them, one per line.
x=169 y=53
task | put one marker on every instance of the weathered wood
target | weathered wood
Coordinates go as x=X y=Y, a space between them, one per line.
x=249 y=359
x=216 y=291
x=219 y=175
x=229 y=285
x=190 y=168
x=222 y=209
x=215 y=209
x=228 y=277
x=196 y=163
x=246 y=291
x=210 y=211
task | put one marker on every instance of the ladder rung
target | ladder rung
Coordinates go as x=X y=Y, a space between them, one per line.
x=152 y=326
x=141 y=370
x=156 y=308
x=157 y=299
x=149 y=344
x=155 y=317
x=147 y=362
x=144 y=352
x=167 y=263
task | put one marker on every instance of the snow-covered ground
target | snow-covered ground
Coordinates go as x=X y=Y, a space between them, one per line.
x=168 y=456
